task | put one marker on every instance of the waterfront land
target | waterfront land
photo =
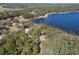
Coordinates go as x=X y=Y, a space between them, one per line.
x=20 y=36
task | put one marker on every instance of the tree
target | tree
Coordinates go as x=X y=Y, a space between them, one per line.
x=18 y=43
x=35 y=49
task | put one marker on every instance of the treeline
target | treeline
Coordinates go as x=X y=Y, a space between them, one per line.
x=38 y=11
x=16 y=13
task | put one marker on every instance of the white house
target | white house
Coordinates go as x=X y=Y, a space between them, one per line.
x=26 y=30
x=0 y=37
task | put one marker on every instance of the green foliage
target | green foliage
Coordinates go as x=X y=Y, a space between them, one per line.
x=35 y=49
x=58 y=43
x=17 y=43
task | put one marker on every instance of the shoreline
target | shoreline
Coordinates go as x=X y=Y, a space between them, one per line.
x=46 y=15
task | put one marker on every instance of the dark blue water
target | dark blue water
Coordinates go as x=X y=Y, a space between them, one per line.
x=66 y=21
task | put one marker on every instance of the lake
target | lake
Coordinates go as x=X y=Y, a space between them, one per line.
x=65 y=21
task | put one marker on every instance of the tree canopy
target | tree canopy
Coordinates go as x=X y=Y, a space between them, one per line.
x=18 y=43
